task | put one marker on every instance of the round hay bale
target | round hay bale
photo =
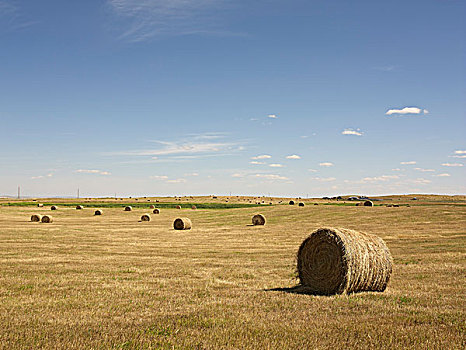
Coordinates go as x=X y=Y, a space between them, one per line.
x=258 y=219
x=291 y=202
x=40 y=205
x=36 y=218
x=193 y=207
x=156 y=211
x=339 y=260
x=79 y=207
x=182 y=224
x=178 y=207
x=316 y=203
x=396 y=205
x=98 y=212
x=368 y=204
x=152 y=206
x=145 y=217
x=389 y=205
x=47 y=219
x=358 y=204
x=128 y=208
x=53 y=207
x=301 y=204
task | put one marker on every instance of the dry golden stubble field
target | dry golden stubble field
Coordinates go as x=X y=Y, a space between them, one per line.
x=109 y=281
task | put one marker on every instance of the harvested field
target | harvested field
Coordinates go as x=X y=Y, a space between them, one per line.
x=111 y=282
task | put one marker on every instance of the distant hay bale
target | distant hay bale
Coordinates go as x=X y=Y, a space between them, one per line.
x=53 y=207
x=79 y=207
x=389 y=205
x=128 y=208
x=145 y=217
x=301 y=204
x=193 y=207
x=156 y=211
x=339 y=260
x=152 y=206
x=359 y=204
x=316 y=203
x=368 y=204
x=47 y=219
x=291 y=202
x=98 y=212
x=258 y=219
x=396 y=205
x=36 y=218
x=182 y=224
x=178 y=207
x=40 y=205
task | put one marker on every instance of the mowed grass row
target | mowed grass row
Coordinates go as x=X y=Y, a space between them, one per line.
x=113 y=282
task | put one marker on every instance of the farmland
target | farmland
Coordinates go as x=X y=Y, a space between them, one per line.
x=111 y=281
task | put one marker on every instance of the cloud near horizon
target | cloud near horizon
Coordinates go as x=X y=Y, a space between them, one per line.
x=92 y=171
x=263 y=156
x=293 y=156
x=411 y=162
x=407 y=111
x=356 y=132
x=326 y=164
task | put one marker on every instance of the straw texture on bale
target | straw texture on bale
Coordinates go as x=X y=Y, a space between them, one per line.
x=128 y=208
x=36 y=218
x=152 y=206
x=53 y=207
x=291 y=203
x=145 y=217
x=301 y=204
x=258 y=219
x=98 y=212
x=368 y=204
x=182 y=224
x=156 y=211
x=338 y=260
x=178 y=207
x=79 y=207
x=47 y=219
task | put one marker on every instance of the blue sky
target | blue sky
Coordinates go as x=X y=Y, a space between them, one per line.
x=289 y=98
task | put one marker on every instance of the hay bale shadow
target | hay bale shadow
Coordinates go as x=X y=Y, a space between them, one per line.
x=299 y=289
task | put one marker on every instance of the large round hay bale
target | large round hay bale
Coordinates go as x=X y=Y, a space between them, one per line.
x=40 y=205
x=36 y=218
x=291 y=202
x=178 y=207
x=152 y=206
x=336 y=261
x=53 y=207
x=145 y=217
x=258 y=219
x=193 y=207
x=47 y=219
x=182 y=224
x=98 y=212
x=368 y=204
x=156 y=211
x=301 y=204
x=128 y=208
x=79 y=207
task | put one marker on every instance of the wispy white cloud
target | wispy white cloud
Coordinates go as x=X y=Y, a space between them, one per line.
x=312 y=170
x=323 y=179
x=41 y=176
x=407 y=111
x=293 y=156
x=356 y=132
x=459 y=154
x=237 y=175
x=176 y=181
x=411 y=162
x=272 y=116
x=255 y=162
x=442 y=175
x=326 y=164
x=276 y=165
x=146 y=19
x=159 y=177
x=271 y=177
x=380 y=178
x=191 y=174
x=453 y=164
x=397 y=169
x=421 y=181
x=92 y=171
x=263 y=156
x=425 y=170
